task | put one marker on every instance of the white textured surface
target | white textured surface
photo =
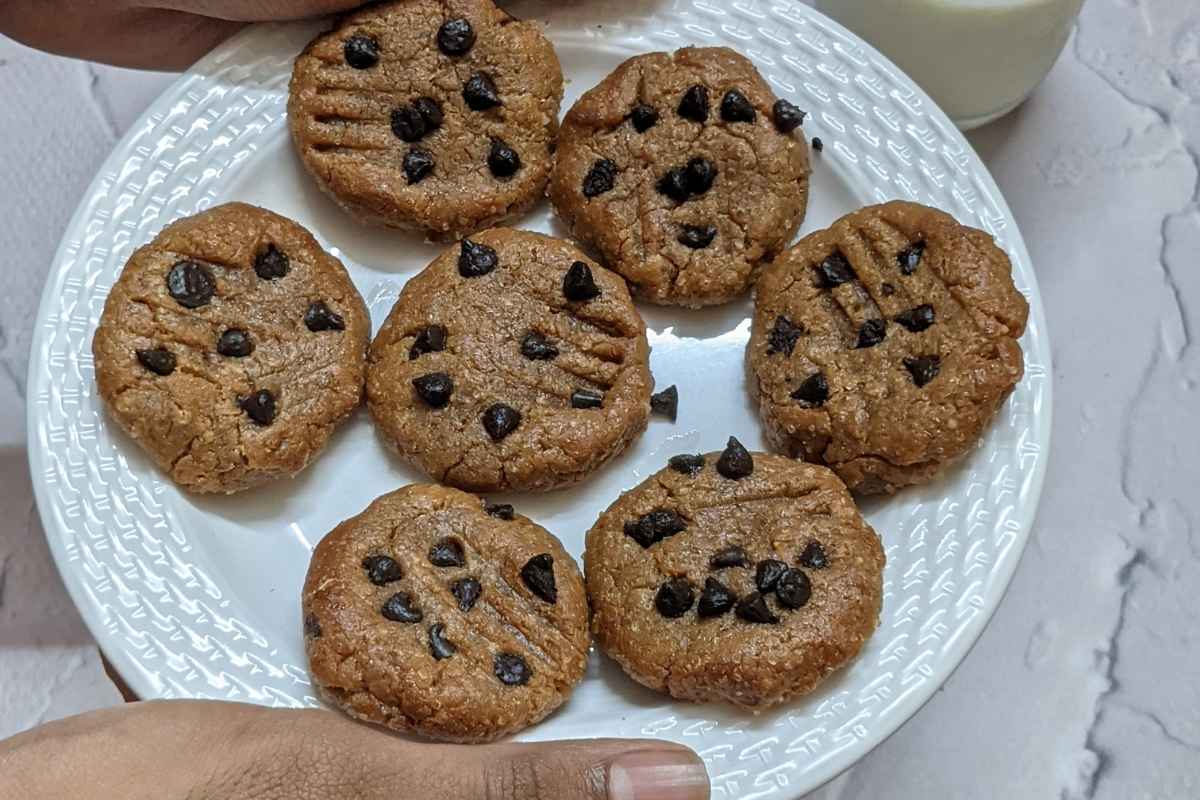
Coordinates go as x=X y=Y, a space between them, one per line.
x=1080 y=686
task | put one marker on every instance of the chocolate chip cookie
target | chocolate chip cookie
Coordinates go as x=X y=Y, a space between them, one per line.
x=735 y=576
x=883 y=346
x=431 y=115
x=511 y=362
x=230 y=348
x=438 y=613
x=685 y=172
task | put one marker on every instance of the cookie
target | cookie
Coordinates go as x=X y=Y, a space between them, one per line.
x=736 y=576
x=684 y=172
x=437 y=613
x=230 y=348
x=883 y=346
x=511 y=362
x=428 y=115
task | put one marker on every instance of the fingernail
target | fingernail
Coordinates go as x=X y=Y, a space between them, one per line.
x=657 y=775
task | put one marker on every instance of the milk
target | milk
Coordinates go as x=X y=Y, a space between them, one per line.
x=977 y=58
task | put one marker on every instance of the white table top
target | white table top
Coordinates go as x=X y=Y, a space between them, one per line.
x=1084 y=684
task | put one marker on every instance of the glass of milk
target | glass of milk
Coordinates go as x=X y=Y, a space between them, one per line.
x=977 y=58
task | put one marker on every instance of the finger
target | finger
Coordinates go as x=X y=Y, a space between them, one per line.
x=255 y=10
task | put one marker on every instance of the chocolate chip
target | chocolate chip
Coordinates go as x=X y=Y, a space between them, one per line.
x=697 y=237
x=475 y=260
x=887 y=289
x=479 y=92
x=735 y=462
x=733 y=556
x=259 y=407
x=910 y=257
x=813 y=391
x=455 y=37
x=434 y=389
x=157 y=360
x=538 y=575
x=447 y=552
x=783 y=336
x=673 y=184
x=666 y=402
x=871 y=333
x=401 y=608
x=502 y=160
x=407 y=123
x=430 y=339
x=235 y=343
x=271 y=263
x=191 y=284
x=430 y=111
x=361 y=52
x=511 y=669
x=753 y=608
x=600 y=178
x=787 y=116
x=382 y=570
x=536 y=347
x=736 y=107
x=834 y=271
x=466 y=591
x=716 y=599
x=499 y=510
x=439 y=646
x=500 y=420
x=651 y=528
x=768 y=573
x=793 y=589
x=694 y=104
x=699 y=175
x=923 y=368
x=417 y=164
x=814 y=556
x=916 y=319
x=643 y=117
x=817 y=144
x=312 y=626
x=320 y=317
x=586 y=398
x=674 y=598
x=578 y=284
x=686 y=464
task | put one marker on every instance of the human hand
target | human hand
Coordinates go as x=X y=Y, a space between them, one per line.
x=202 y=750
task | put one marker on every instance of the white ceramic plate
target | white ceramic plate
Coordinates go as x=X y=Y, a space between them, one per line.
x=199 y=597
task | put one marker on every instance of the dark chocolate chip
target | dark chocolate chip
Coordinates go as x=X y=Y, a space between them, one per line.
x=191 y=284
x=430 y=339
x=434 y=389
x=439 y=646
x=910 y=257
x=814 y=556
x=499 y=420
x=694 y=104
x=578 y=284
x=511 y=669
x=734 y=556
x=768 y=573
x=536 y=347
x=787 y=116
x=666 y=402
x=686 y=464
x=259 y=407
x=736 y=107
x=753 y=608
x=235 y=343
x=871 y=333
x=655 y=526
x=475 y=260
x=538 y=575
x=813 y=391
x=430 y=111
x=499 y=510
x=834 y=271
x=673 y=184
x=157 y=360
x=361 y=52
x=586 y=398
x=735 y=462
x=817 y=144
x=697 y=237
x=312 y=626
x=447 y=552
x=716 y=599
x=466 y=591
x=479 y=92
x=401 y=608
x=699 y=175
x=600 y=178
x=502 y=160
x=271 y=263
x=917 y=319
x=407 y=123
x=783 y=336
x=455 y=37
x=887 y=289
x=643 y=117
x=674 y=598
x=382 y=570
x=320 y=317
x=923 y=368
x=417 y=165
x=793 y=589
